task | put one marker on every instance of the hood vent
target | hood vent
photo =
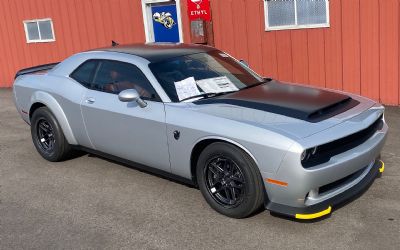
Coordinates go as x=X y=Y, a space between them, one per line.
x=333 y=109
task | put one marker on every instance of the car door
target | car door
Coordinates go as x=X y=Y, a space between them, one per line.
x=123 y=129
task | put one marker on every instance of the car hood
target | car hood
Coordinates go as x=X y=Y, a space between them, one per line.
x=294 y=110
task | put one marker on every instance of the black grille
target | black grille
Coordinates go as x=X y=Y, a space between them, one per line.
x=326 y=151
x=341 y=182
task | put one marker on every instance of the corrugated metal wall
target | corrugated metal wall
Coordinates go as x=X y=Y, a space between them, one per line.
x=358 y=53
x=78 y=25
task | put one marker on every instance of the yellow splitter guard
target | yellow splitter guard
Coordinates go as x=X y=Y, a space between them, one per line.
x=381 y=168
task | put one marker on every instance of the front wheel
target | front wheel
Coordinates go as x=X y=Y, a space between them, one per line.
x=229 y=180
x=48 y=136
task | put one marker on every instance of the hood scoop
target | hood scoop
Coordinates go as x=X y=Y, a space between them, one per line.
x=304 y=103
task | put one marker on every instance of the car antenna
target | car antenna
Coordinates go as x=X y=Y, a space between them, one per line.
x=114 y=43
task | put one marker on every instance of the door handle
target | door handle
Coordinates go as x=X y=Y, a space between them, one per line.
x=90 y=100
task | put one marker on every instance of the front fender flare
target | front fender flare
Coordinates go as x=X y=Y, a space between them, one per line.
x=51 y=103
x=219 y=138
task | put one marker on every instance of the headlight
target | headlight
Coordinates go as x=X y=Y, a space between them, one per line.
x=314 y=150
x=307 y=154
x=304 y=155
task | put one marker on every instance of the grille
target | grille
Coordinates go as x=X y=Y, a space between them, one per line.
x=326 y=151
x=339 y=183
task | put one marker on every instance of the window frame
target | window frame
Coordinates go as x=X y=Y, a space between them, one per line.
x=98 y=61
x=295 y=26
x=40 y=40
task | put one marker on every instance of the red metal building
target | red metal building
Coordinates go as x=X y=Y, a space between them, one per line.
x=348 y=44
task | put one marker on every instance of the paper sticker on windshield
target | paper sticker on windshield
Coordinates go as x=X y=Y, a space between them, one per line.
x=186 y=88
x=217 y=85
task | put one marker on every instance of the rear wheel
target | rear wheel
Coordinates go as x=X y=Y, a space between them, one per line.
x=229 y=180
x=47 y=136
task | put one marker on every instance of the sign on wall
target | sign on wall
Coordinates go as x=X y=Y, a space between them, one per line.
x=199 y=9
x=165 y=23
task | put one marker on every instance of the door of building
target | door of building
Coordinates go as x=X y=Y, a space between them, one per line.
x=162 y=20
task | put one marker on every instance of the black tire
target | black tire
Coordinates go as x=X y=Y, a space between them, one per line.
x=240 y=170
x=48 y=137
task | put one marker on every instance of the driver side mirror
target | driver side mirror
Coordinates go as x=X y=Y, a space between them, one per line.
x=131 y=95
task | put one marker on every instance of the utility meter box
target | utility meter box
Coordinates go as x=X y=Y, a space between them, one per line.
x=198 y=31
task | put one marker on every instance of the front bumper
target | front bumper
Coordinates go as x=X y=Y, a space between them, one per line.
x=324 y=208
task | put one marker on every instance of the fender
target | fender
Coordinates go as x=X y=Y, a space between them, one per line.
x=226 y=140
x=55 y=108
x=233 y=143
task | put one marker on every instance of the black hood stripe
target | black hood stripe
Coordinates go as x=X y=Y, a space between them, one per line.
x=308 y=104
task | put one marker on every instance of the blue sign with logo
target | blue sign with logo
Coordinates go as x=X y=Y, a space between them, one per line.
x=165 y=23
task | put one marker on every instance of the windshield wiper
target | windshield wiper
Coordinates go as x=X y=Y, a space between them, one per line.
x=257 y=84
x=204 y=95
x=208 y=95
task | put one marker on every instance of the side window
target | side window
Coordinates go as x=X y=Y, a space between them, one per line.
x=84 y=73
x=114 y=77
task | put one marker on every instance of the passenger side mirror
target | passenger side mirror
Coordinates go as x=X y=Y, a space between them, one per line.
x=131 y=95
x=244 y=63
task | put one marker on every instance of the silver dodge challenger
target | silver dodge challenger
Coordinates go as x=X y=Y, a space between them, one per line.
x=196 y=114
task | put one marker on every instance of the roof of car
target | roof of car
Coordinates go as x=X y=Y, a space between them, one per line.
x=156 y=52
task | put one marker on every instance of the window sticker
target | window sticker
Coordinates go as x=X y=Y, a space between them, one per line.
x=186 y=88
x=217 y=85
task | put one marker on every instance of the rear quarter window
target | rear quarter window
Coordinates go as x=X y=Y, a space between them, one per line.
x=84 y=73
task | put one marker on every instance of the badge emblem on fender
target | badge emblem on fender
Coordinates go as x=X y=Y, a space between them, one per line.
x=177 y=134
x=165 y=18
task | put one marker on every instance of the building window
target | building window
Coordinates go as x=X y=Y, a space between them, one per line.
x=39 y=30
x=296 y=14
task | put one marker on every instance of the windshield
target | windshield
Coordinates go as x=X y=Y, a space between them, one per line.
x=198 y=74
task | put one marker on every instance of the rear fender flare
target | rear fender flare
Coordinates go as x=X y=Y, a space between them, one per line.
x=51 y=103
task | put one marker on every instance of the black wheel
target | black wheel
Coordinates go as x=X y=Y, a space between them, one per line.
x=229 y=180
x=48 y=137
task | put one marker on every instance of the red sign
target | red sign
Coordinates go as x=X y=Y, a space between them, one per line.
x=199 y=9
